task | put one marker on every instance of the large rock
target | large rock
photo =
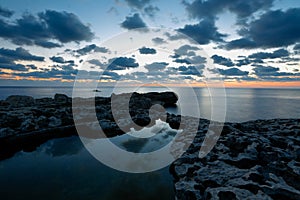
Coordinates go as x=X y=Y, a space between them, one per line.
x=61 y=98
x=20 y=100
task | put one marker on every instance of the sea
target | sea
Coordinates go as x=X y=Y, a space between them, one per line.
x=64 y=169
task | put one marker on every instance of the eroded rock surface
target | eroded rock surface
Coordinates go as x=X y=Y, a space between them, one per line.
x=252 y=160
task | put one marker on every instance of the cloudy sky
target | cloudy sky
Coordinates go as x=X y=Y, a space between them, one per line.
x=250 y=43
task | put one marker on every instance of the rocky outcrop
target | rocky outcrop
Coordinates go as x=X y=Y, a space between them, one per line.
x=252 y=160
x=25 y=120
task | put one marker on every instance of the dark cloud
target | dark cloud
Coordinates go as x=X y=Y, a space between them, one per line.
x=6 y=60
x=297 y=47
x=110 y=75
x=268 y=71
x=47 y=44
x=204 y=32
x=158 y=40
x=266 y=32
x=19 y=54
x=138 y=4
x=5 y=12
x=210 y=8
x=59 y=59
x=265 y=71
x=182 y=61
x=122 y=63
x=92 y=47
x=32 y=67
x=241 y=43
x=233 y=72
x=265 y=55
x=133 y=22
x=66 y=27
x=222 y=61
x=49 y=25
x=190 y=70
x=145 y=50
x=64 y=72
x=14 y=67
x=151 y=10
x=156 y=66
x=242 y=62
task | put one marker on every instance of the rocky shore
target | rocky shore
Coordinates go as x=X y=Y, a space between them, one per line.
x=25 y=122
x=251 y=160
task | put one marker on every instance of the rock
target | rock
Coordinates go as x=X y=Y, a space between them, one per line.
x=20 y=100
x=54 y=122
x=42 y=122
x=6 y=132
x=28 y=125
x=251 y=160
x=61 y=98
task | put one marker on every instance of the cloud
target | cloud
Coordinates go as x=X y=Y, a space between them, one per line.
x=92 y=47
x=59 y=59
x=122 y=63
x=201 y=9
x=297 y=47
x=40 y=29
x=233 y=72
x=158 y=40
x=241 y=43
x=186 y=50
x=65 y=72
x=243 y=62
x=133 y=22
x=20 y=54
x=265 y=71
x=151 y=10
x=182 y=61
x=265 y=55
x=66 y=27
x=222 y=61
x=190 y=70
x=14 y=67
x=268 y=71
x=145 y=50
x=110 y=75
x=138 y=4
x=47 y=44
x=266 y=32
x=5 y=12
x=156 y=66
x=32 y=67
x=203 y=32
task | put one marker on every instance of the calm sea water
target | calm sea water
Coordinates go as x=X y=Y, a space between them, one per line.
x=242 y=104
x=64 y=169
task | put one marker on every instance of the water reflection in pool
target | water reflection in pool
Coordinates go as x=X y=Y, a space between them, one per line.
x=63 y=169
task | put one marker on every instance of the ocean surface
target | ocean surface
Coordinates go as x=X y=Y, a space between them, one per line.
x=241 y=104
x=64 y=169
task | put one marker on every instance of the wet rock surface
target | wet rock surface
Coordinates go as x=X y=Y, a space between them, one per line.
x=251 y=160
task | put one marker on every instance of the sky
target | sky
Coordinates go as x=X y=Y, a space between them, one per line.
x=243 y=43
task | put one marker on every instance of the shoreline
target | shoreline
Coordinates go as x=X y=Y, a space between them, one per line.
x=257 y=158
